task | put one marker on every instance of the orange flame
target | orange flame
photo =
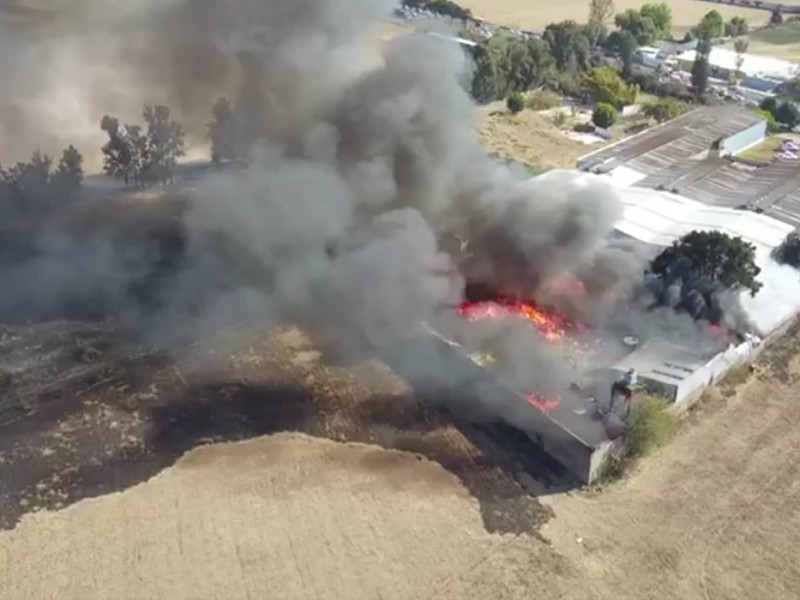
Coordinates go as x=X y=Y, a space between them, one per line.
x=553 y=327
x=546 y=405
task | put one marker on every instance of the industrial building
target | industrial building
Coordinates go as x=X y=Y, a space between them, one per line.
x=694 y=156
x=679 y=177
x=758 y=71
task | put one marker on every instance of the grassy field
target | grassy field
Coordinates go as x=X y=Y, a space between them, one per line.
x=537 y=14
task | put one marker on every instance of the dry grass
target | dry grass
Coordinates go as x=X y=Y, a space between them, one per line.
x=765 y=151
x=530 y=137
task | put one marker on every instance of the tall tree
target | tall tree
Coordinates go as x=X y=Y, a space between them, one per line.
x=165 y=144
x=660 y=14
x=641 y=28
x=626 y=47
x=68 y=176
x=600 y=12
x=700 y=68
x=122 y=154
x=569 y=45
x=711 y=26
x=710 y=256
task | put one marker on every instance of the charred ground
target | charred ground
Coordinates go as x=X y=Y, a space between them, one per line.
x=87 y=411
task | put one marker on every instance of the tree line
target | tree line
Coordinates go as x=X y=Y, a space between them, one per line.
x=566 y=51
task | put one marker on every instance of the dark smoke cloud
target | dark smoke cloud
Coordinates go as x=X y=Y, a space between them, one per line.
x=336 y=222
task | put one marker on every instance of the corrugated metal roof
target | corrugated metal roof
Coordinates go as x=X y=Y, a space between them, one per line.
x=657 y=217
x=674 y=157
x=672 y=142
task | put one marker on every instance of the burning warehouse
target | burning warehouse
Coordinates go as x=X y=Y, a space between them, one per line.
x=552 y=344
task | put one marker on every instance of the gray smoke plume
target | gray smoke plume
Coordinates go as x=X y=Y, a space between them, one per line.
x=360 y=169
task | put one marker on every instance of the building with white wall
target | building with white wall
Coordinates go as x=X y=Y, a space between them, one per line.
x=724 y=64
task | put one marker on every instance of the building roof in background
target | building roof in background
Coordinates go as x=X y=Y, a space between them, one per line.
x=660 y=218
x=672 y=142
x=752 y=65
x=673 y=157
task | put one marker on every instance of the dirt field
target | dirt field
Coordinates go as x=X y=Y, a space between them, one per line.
x=714 y=516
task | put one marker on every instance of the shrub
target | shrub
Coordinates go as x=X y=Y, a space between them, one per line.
x=543 y=100
x=515 y=103
x=560 y=119
x=652 y=425
x=604 y=115
x=665 y=109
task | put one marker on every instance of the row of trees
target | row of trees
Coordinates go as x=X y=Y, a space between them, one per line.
x=38 y=185
x=141 y=157
x=562 y=58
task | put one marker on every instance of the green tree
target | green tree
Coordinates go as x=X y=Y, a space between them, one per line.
x=604 y=115
x=711 y=26
x=515 y=103
x=700 y=68
x=736 y=27
x=504 y=65
x=28 y=183
x=604 y=84
x=769 y=117
x=68 y=176
x=641 y=28
x=570 y=46
x=769 y=104
x=665 y=109
x=710 y=256
x=600 y=12
x=525 y=64
x=122 y=154
x=787 y=115
x=661 y=16
x=623 y=43
x=165 y=144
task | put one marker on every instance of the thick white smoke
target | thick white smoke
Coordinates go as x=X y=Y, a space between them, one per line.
x=778 y=299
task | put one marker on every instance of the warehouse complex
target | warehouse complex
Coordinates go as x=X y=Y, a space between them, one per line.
x=679 y=177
